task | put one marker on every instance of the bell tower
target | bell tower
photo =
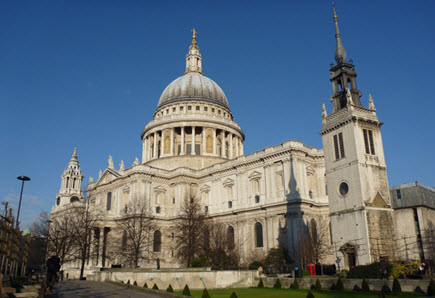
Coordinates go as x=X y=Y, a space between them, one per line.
x=71 y=183
x=361 y=216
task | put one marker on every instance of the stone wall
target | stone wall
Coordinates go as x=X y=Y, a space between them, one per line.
x=200 y=278
x=408 y=285
x=178 y=279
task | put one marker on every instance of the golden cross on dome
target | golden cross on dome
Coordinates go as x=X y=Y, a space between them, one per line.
x=194 y=35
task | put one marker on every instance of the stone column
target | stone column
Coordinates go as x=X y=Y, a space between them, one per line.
x=237 y=147
x=193 y=141
x=230 y=148
x=241 y=147
x=214 y=142
x=223 y=153
x=172 y=142
x=182 y=141
x=162 y=143
x=204 y=150
x=144 y=150
x=155 y=145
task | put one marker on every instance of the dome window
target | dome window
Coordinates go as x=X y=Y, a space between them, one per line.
x=212 y=110
x=197 y=108
x=181 y=109
x=205 y=109
x=189 y=108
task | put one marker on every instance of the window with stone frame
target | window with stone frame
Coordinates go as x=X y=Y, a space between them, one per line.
x=157 y=241
x=258 y=234
x=109 y=201
x=255 y=186
x=339 y=146
x=368 y=141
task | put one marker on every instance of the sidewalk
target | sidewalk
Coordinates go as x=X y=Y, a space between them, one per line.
x=83 y=288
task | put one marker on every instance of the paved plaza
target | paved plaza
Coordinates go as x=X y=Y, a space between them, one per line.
x=83 y=288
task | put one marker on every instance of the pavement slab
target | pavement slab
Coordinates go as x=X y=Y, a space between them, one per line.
x=83 y=288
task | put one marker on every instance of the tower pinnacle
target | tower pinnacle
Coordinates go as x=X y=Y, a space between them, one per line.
x=74 y=161
x=340 y=52
x=193 y=59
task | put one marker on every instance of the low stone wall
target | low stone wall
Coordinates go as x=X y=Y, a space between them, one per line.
x=199 y=278
x=178 y=279
x=407 y=285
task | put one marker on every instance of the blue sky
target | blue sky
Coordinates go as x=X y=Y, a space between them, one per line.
x=88 y=74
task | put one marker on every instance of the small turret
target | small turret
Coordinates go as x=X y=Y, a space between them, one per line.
x=371 y=103
x=194 y=58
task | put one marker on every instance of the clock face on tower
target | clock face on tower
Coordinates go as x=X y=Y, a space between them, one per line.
x=343 y=189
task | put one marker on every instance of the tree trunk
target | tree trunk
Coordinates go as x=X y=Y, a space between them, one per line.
x=82 y=267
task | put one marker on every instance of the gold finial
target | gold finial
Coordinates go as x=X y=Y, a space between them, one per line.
x=335 y=14
x=75 y=150
x=194 y=35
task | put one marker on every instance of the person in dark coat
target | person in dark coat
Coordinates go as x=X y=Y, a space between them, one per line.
x=53 y=267
x=383 y=268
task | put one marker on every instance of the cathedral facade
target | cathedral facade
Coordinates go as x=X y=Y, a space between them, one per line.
x=269 y=198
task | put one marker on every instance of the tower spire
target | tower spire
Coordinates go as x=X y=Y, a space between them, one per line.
x=74 y=160
x=340 y=52
x=193 y=58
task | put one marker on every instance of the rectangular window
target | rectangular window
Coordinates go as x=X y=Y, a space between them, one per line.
x=212 y=110
x=257 y=199
x=181 y=109
x=205 y=109
x=188 y=149
x=340 y=140
x=197 y=108
x=399 y=194
x=189 y=108
x=337 y=152
x=372 y=144
x=173 y=200
x=197 y=149
x=230 y=204
x=368 y=141
x=338 y=146
x=174 y=109
x=109 y=201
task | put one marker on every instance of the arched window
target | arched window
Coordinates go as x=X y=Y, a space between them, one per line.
x=67 y=182
x=157 y=243
x=258 y=235
x=58 y=201
x=74 y=183
x=74 y=199
x=230 y=237
x=109 y=201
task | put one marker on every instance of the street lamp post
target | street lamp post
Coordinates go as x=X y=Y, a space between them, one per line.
x=22 y=178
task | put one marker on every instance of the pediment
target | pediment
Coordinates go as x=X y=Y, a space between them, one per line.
x=159 y=189
x=228 y=182
x=205 y=188
x=108 y=176
x=254 y=175
x=379 y=202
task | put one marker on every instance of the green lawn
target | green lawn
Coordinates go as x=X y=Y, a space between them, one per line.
x=271 y=292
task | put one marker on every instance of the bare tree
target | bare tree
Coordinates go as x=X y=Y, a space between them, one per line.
x=191 y=230
x=320 y=243
x=62 y=237
x=220 y=248
x=84 y=220
x=135 y=228
x=40 y=226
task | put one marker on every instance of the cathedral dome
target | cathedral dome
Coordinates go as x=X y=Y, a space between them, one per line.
x=193 y=86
